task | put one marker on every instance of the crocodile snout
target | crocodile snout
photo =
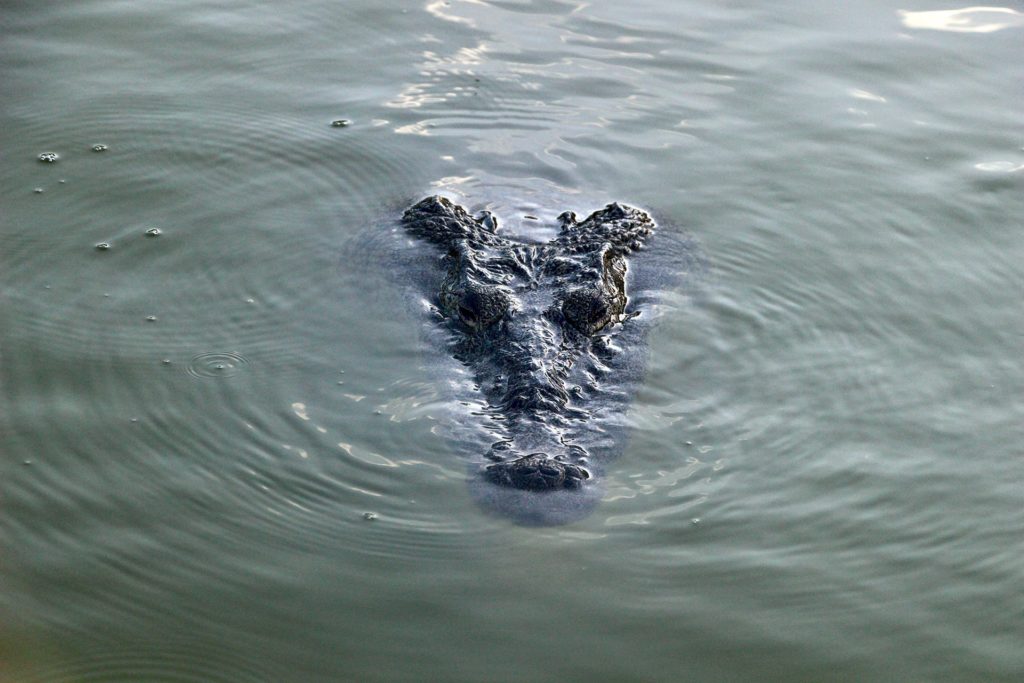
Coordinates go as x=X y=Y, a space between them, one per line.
x=537 y=472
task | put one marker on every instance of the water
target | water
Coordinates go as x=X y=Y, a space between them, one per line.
x=218 y=455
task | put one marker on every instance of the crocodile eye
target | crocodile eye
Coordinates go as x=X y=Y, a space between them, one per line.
x=467 y=315
x=598 y=311
x=588 y=310
x=479 y=308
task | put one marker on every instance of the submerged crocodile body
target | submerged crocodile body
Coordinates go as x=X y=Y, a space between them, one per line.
x=538 y=326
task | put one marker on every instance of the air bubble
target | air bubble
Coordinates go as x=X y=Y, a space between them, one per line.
x=103 y=246
x=340 y=123
x=153 y=232
x=99 y=148
x=151 y=318
x=38 y=190
x=369 y=516
x=216 y=365
x=48 y=157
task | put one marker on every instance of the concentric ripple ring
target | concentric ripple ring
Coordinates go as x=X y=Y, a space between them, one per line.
x=218 y=364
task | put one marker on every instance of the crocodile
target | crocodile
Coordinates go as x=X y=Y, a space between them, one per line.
x=540 y=327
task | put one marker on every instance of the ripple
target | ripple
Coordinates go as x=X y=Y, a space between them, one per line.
x=224 y=364
x=550 y=112
x=189 y=663
x=260 y=206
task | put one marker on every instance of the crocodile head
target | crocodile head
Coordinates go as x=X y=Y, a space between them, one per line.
x=532 y=321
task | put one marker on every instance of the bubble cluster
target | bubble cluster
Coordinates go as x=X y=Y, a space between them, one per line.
x=341 y=123
x=150 y=232
x=48 y=157
x=99 y=148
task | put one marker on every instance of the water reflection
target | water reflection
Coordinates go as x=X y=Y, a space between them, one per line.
x=549 y=92
x=999 y=166
x=438 y=8
x=865 y=95
x=966 y=20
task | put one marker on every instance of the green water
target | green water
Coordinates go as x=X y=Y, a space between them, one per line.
x=825 y=479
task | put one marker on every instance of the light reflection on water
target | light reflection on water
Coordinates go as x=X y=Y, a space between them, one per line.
x=966 y=20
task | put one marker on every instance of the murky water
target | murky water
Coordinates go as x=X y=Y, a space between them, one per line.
x=219 y=460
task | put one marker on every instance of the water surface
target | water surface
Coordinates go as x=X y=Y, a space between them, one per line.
x=218 y=451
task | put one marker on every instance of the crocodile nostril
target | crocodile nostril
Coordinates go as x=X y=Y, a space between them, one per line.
x=537 y=472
